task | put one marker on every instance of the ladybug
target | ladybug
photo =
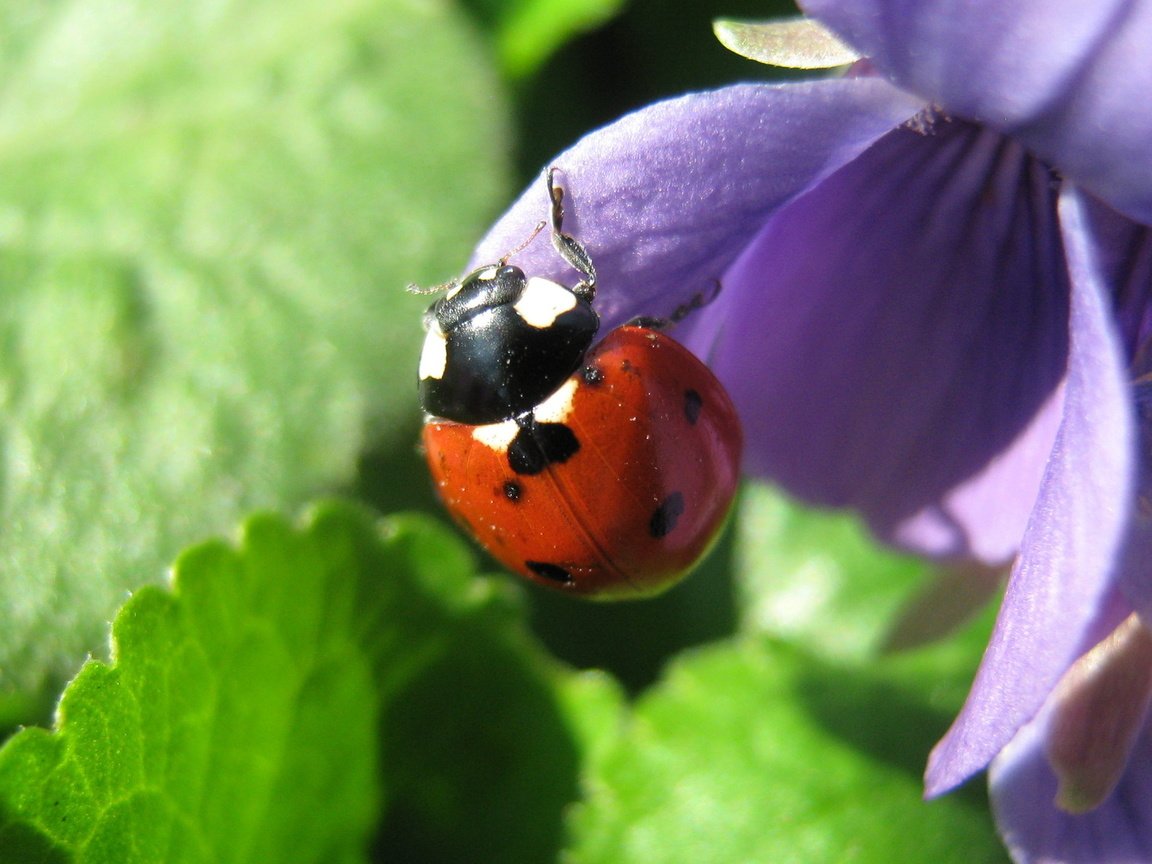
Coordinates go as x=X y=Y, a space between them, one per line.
x=602 y=470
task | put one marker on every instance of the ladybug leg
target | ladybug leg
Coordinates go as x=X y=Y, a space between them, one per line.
x=701 y=300
x=569 y=248
x=680 y=312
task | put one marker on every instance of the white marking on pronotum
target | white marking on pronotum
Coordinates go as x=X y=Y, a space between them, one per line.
x=557 y=407
x=434 y=356
x=498 y=436
x=543 y=301
x=554 y=409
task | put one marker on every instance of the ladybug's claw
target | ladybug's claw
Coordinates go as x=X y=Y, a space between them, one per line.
x=697 y=302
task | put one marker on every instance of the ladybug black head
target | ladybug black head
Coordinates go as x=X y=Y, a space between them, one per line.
x=500 y=344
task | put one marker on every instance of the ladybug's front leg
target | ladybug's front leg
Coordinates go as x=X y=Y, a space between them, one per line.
x=570 y=249
x=649 y=322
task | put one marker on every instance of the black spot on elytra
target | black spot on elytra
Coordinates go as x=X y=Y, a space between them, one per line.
x=693 y=403
x=512 y=490
x=538 y=445
x=665 y=517
x=552 y=572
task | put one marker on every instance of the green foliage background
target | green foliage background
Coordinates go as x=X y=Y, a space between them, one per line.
x=208 y=214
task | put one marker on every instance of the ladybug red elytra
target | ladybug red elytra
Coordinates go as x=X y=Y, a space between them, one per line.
x=605 y=471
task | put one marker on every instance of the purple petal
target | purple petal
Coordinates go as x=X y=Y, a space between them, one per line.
x=895 y=339
x=1023 y=788
x=666 y=197
x=1066 y=569
x=1124 y=252
x=1136 y=573
x=1065 y=77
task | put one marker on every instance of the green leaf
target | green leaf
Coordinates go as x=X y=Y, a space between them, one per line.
x=817 y=578
x=483 y=757
x=367 y=667
x=527 y=32
x=209 y=213
x=287 y=693
x=758 y=752
x=243 y=697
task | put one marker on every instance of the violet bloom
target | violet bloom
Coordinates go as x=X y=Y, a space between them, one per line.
x=936 y=282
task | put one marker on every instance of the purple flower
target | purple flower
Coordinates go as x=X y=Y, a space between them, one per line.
x=936 y=296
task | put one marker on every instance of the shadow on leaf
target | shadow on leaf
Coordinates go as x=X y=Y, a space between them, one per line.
x=471 y=746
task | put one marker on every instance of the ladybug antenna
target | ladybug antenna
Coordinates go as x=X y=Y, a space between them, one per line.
x=435 y=289
x=569 y=248
x=535 y=231
x=455 y=283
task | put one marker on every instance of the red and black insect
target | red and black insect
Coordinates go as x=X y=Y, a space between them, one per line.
x=603 y=470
